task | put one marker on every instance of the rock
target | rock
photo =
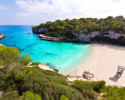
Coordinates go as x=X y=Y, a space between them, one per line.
x=40 y=30
x=56 y=70
x=44 y=37
x=1 y=35
x=68 y=75
x=87 y=75
x=82 y=37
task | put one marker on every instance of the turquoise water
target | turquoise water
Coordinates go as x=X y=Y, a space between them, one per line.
x=59 y=55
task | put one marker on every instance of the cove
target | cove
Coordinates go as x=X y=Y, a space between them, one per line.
x=66 y=57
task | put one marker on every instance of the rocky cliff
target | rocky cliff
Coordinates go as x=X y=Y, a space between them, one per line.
x=110 y=37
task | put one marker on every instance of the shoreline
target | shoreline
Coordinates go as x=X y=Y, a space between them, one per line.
x=103 y=64
x=74 y=66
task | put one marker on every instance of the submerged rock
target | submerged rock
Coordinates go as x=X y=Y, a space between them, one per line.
x=1 y=35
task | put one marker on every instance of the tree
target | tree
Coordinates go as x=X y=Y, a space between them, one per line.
x=26 y=59
x=64 y=29
x=109 y=18
x=119 y=18
x=10 y=58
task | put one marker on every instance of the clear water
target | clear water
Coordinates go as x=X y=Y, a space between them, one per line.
x=60 y=55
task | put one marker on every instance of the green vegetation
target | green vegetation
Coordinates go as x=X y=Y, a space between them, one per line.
x=20 y=82
x=63 y=97
x=86 y=89
x=30 y=96
x=10 y=58
x=65 y=28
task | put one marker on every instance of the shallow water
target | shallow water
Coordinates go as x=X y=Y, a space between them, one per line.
x=59 y=55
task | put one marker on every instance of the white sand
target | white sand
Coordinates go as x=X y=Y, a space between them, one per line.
x=103 y=64
x=45 y=67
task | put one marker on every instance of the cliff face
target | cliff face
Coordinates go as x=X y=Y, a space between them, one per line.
x=40 y=30
x=110 y=37
x=104 y=37
x=1 y=35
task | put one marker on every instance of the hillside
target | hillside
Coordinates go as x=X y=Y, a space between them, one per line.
x=106 y=30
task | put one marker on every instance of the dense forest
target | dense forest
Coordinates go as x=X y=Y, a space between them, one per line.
x=65 y=28
x=18 y=81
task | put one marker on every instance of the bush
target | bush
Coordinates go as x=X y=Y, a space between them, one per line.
x=48 y=84
x=98 y=85
x=63 y=97
x=86 y=89
x=30 y=96
x=71 y=93
x=33 y=79
x=35 y=64
x=12 y=95
x=114 y=93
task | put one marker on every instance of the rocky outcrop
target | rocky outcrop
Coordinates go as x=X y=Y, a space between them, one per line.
x=109 y=37
x=81 y=37
x=44 y=37
x=87 y=75
x=1 y=35
x=40 y=30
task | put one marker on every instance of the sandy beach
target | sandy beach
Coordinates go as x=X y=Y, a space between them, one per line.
x=103 y=64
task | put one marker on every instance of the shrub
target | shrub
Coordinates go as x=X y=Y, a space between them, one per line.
x=30 y=96
x=63 y=97
x=71 y=93
x=86 y=89
x=50 y=85
x=37 y=80
x=35 y=64
x=114 y=93
x=12 y=95
x=98 y=85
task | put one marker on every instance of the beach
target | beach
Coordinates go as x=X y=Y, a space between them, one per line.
x=103 y=64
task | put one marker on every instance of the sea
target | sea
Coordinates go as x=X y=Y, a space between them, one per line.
x=66 y=57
